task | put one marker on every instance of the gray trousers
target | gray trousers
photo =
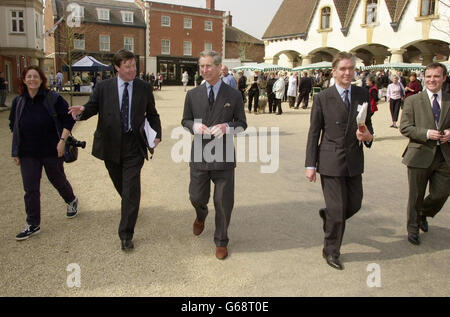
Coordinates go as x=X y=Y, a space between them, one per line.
x=438 y=176
x=199 y=193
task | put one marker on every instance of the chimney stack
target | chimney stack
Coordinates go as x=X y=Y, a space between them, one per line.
x=211 y=4
x=229 y=19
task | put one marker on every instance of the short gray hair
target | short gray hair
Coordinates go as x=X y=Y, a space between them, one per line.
x=215 y=55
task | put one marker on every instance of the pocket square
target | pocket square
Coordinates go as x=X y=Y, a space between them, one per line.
x=226 y=105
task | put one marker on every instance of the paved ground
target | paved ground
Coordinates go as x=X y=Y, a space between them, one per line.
x=275 y=233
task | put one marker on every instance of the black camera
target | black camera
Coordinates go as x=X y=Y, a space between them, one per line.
x=74 y=142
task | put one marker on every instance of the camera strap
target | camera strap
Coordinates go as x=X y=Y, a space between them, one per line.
x=54 y=114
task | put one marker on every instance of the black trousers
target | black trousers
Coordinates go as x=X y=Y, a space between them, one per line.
x=343 y=197
x=304 y=95
x=126 y=178
x=271 y=101
x=199 y=193
x=438 y=177
x=277 y=105
x=31 y=169
x=253 y=97
x=394 y=105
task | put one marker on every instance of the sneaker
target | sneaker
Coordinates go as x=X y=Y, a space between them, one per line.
x=72 y=209
x=28 y=232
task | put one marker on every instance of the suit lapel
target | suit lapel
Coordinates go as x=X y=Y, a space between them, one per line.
x=203 y=103
x=445 y=106
x=114 y=95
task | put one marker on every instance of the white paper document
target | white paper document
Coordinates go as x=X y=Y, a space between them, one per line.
x=150 y=134
x=362 y=114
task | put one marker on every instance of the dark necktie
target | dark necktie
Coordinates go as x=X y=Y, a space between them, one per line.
x=211 y=98
x=436 y=109
x=347 y=101
x=125 y=109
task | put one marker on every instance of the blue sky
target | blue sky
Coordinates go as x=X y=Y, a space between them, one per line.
x=251 y=16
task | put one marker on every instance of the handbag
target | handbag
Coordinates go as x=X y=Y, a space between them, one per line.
x=70 y=151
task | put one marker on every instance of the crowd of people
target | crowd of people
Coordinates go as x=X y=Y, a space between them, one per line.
x=216 y=108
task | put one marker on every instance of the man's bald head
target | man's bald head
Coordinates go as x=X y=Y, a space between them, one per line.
x=224 y=70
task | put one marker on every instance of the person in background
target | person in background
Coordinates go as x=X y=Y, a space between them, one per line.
x=395 y=94
x=185 y=79
x=3 y=90
x=253 y=93
x=292 y=89
x=228 y=78
x=304 y=89
x=373 y=93
x=278 y=89
x=77 y=82
x=160 y=81
x=270 y=94
x=414 y=87
x=59 y=81
x=40 y=132
x=196 y=79
x=242 y=84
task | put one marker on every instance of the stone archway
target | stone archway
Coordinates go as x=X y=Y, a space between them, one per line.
x=322 y=54
x=371 y=53
x=426 y=51
x=288 y=58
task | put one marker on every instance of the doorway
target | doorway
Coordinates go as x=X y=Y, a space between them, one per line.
x=8 y=77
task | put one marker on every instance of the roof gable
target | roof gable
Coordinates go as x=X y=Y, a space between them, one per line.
x=293 y=18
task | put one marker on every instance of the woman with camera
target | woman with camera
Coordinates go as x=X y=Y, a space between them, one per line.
x=40 y=132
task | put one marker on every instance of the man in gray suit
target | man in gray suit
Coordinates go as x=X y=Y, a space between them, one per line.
x=426 y=122
x=339 y=156
x=122 y=104
x=213 y=112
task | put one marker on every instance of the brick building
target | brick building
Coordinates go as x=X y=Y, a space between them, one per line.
x=177 y=34
x=241 y=46
x=21 y=37
x=106 y=27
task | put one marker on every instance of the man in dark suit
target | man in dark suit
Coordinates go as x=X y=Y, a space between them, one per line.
x=213 y=112
x=339 y=157
x=122 y=104
x=426 y=122
x=304 y=90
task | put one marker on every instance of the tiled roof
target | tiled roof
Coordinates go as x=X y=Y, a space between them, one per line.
x=293 y=18
x=235 y=35
x=115 y=7
x=396 y=9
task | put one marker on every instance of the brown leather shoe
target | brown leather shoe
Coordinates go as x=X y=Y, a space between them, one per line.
x=198 y=227
x=221 y=253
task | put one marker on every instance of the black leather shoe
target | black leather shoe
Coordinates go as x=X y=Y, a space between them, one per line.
x=334 y=262
x=414 y=238
x=423 y=223
x=127 y=245
x=322 y=214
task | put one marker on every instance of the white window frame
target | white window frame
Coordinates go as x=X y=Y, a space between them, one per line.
x=103 y=14
x=128 y=43
x=102 y=44
x=368 y=6
x=17 y=19
x=127 y=16
x=187 y=48
x=166 y=20
x=208 y=26
x=322 y=16
x=79 y=44
x=208 y=46
x=187 y=25
x=167 y=47
x=79 y=13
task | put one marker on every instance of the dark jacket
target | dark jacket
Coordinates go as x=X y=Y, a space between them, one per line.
x=228 y=108
x=306 y=84
x=104 y=101
x=62 y=119
x=332 y=144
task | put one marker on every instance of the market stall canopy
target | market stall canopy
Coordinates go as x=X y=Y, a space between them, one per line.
x=321 y=65
x=400 y=66
x=88 y=64
x=263 y=67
